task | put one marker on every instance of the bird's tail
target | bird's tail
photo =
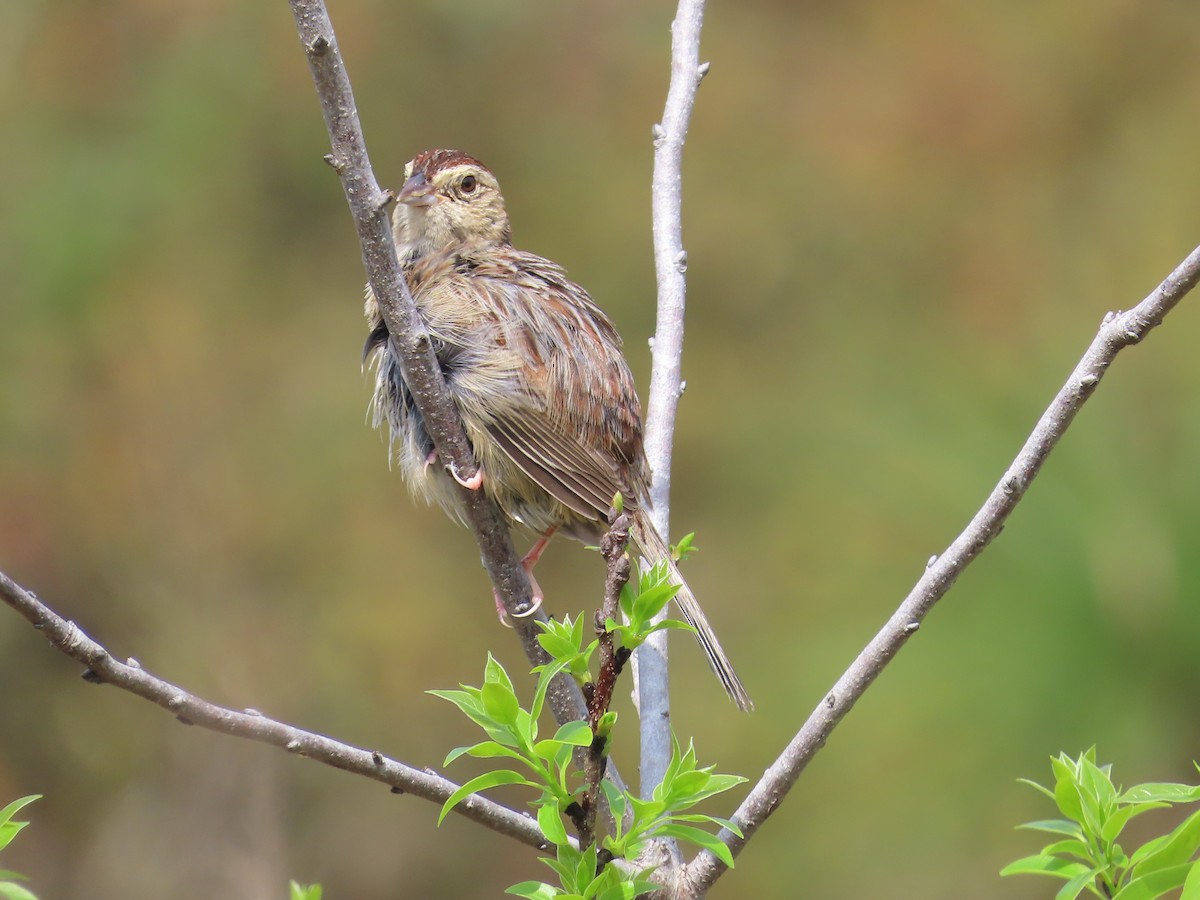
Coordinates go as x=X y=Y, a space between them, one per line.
x=654 y=548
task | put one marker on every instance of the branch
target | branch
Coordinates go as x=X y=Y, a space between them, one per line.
x=369 y=204
x=1118 y=330
x=611 y=662
x=670 y=263
x=103 y=668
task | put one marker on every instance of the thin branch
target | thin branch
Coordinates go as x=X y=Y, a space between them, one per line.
x=670 y=263
x=103 y=668
x=611 y=661
x=1119 y=330
x=369 y=205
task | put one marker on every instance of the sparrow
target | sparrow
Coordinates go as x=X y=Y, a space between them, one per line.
x=535 y=369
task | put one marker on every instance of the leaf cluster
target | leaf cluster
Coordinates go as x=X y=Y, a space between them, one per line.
x=1086 y=853
x=549 y=765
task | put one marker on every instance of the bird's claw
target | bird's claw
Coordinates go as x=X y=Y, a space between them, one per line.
x=534 y=605
x=474 y=483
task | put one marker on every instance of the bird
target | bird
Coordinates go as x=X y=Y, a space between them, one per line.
x=535 y=369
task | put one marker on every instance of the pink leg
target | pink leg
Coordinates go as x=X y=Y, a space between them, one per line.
x=530 y=559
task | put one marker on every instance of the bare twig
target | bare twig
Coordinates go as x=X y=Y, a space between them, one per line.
x=670 y=263
x=369 y=205
x=103 y=668
x=1119 y=330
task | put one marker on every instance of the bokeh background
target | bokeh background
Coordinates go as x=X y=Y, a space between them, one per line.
x=904 y=224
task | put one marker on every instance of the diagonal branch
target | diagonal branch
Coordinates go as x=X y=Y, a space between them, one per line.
x=103 y=668
x=1119 y=330
x=670 y=263
x=369 y=205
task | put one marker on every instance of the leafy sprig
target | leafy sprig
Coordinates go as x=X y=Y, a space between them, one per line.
x=548 y=766
x=1086 y=854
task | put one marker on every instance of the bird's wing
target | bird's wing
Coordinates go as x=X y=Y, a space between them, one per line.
x=578 y=477
x=573 y=424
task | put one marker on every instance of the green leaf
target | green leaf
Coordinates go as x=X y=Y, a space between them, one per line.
x=469 y=701
x=10 y=891
x=1191 y=887
x=1045 y=865
x=1070 y=848
x=1117 y=821
x=703 y=817
x=700 y=838
x=493 y=673
x=305 y=892
x=556 y=645
x=689 y=788
x=1165 y=792
x=585 y=870
x=685 y=547
x=545 y=676
x=16 y=806
x=1054 y=826
x=485 y=750
x=564 y=865
x=627 y=890
x=1097 y=784
x=1033 y=784
x=650 y=603
x=605 y=726
x=1069 y=800
x=612 y=884
x=482 y=783
x=534 y=890
x=550 y=821
x=1155 y=884
x=500 y=703
x=1064 y=768
x=577 y=734
x=1178 y=847
x=1076 y=885
x=668 y=625
x=1151 y=846
x=8 y=828
x=616 y=804
x=465 y=699
x=8 y=831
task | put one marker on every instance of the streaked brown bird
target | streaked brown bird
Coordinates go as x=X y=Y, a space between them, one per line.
x=536 y=371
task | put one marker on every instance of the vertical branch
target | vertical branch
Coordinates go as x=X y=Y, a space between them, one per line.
x=611 y=661
x=670 y=263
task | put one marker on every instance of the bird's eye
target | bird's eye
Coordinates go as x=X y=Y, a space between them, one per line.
x=468 y=184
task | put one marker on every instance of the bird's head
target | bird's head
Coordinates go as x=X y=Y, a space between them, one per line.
x=448 y=199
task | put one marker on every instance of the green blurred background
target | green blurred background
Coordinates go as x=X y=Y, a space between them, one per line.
x=904 y=223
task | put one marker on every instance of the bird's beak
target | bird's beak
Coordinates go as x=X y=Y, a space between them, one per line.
x=417 y=192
